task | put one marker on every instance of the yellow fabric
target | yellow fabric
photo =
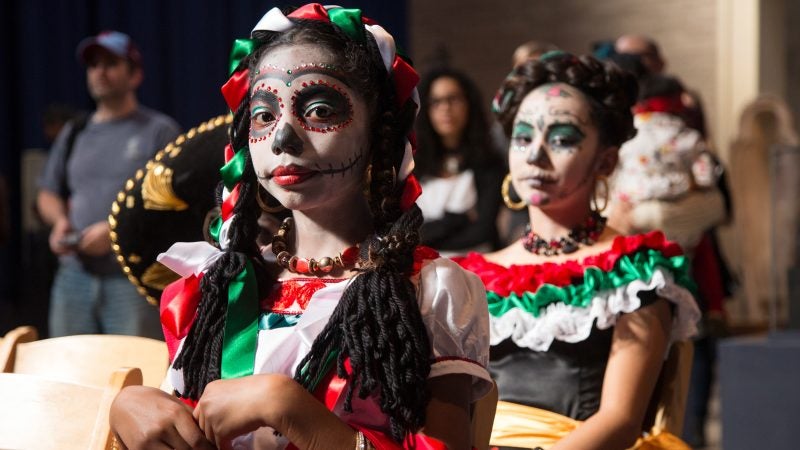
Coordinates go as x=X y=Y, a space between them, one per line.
x=528 y=427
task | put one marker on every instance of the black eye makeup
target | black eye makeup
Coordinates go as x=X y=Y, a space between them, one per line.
x=265 y=111
x=322 y=107
x=564 y=136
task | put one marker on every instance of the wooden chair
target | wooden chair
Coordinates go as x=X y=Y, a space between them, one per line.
x=9 y=342
x=91 y=358
x=483 y=419
x=41 y=413
x=668 y=406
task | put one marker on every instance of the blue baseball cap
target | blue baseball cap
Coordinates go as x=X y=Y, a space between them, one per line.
x=115 y=42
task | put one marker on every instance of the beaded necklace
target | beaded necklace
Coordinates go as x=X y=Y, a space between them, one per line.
x=585 y=234
x=308 y=266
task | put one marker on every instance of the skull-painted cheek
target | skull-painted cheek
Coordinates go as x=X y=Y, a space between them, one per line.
x=322 y=107
x=265 y=112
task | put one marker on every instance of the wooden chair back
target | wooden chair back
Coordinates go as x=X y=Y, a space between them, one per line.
x=668 y=405
x=483 y=418
x=9 y=342
x=41 y=413
x=91 y=358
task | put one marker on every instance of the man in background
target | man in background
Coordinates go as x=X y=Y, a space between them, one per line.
x=88 y=165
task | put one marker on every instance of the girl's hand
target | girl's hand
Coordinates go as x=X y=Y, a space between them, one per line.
x=233 y=407
x=147 y=418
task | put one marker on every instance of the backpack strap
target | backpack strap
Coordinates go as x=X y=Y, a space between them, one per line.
x=78 y=124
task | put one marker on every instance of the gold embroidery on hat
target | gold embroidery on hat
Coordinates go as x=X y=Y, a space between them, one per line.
x=157 y=190
x=158 y=276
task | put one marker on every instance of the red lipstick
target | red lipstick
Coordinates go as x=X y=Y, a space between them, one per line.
x=291 y=175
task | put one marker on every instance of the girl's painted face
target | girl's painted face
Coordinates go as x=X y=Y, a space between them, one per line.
x=308 y=128
x=554 y=146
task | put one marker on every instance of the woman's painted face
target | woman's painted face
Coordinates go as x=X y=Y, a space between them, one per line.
x=448 y=108
x=308 y=128
x=554 y=146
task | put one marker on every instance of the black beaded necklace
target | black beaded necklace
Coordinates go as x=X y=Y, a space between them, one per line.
x=585 y=234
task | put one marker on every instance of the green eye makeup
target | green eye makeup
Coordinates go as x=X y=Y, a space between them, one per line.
x=564 y=136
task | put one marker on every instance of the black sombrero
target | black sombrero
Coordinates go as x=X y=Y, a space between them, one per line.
x=167 y=201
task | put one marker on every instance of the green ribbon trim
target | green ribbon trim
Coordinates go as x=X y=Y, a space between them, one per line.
x=272 y=321
x=215 y=228
x=241 y=326
x=241 y=49
x=349 y=21
x=232 y=170
x=639 y=266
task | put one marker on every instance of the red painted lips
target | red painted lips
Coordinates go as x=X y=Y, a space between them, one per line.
x=291 y=175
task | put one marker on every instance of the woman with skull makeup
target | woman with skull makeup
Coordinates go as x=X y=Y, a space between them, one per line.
x=344 y=333
x=581 y=318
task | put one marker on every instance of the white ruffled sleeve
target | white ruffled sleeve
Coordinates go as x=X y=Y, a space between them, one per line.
x=455 y=313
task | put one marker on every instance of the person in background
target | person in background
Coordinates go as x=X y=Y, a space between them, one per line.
x=580 y=315
x=530 y=50
x=459 y=170
x=88 y=164
x=665 y=162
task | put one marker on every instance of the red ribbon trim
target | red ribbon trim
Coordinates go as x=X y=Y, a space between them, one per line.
x=178 y=310
x=529 y=277
x=411 y=192
x=230 y=202
x=405 y=79
x=236 y=88
x=311 y=11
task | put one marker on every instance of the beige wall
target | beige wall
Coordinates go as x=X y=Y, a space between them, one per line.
x=480 y=35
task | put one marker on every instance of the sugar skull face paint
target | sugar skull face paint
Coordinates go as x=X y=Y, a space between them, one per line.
x=308 y=129
x=554 y=145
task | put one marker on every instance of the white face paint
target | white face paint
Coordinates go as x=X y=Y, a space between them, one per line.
x=309 y=138
x=554 y=145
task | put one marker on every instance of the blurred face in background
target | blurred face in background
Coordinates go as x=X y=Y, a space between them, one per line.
x=110 y=77
x=448 y=110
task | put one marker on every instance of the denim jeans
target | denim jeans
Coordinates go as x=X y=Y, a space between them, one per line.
x=84 y=303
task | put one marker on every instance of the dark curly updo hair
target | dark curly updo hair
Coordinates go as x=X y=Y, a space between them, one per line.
x=611 y=91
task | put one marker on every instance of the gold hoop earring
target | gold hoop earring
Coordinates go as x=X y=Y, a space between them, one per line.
x=603 y=180
x=505 y=192
x=265 y=206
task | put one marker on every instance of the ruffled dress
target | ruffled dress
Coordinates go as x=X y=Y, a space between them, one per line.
x=453 y=307
x=551 y=324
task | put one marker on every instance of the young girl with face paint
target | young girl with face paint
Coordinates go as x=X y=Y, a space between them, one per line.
x=343 y=333
x=581 y=318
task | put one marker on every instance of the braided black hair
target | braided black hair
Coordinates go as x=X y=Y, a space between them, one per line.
x=610 y=90
x=377 y=323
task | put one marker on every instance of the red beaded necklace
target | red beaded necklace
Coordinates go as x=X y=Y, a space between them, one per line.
x=310 y=266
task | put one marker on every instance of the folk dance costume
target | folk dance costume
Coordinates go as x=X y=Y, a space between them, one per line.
x=451 y=300
x=551 y=330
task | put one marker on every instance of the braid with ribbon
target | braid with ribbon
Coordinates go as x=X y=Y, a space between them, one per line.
x=377 y=326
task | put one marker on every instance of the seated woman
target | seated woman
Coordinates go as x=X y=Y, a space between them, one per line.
x=458 y=168
x=344 y=332
x=581 y=318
